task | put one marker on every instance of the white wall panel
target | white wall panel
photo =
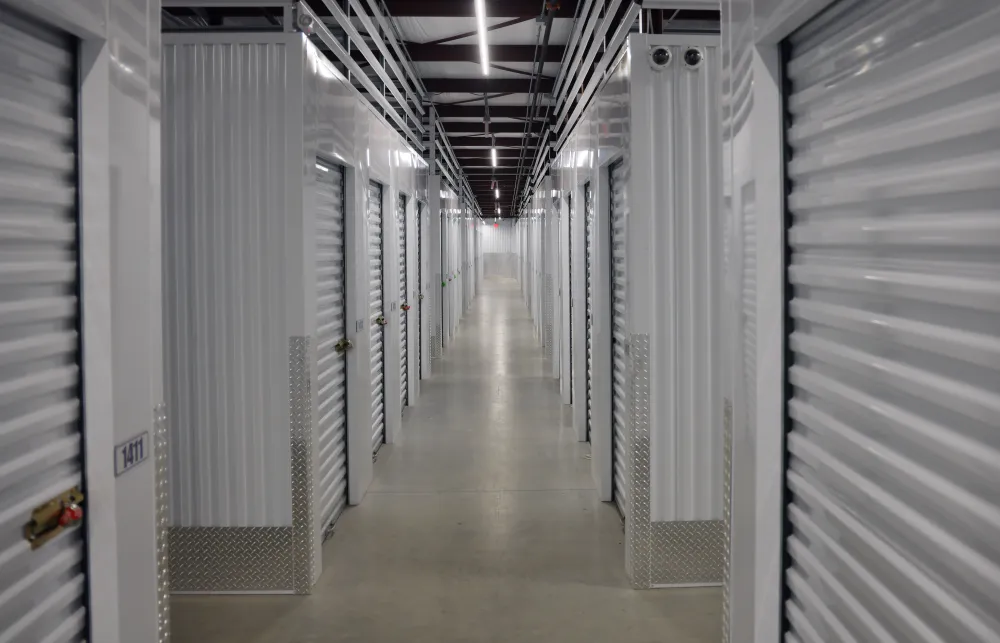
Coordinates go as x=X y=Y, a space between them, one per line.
x=673 y=238
x=256 y=121
x=499 y=248
x=675 y=204
x=226 y=122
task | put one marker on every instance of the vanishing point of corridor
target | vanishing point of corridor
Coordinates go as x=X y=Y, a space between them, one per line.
x=482 y=524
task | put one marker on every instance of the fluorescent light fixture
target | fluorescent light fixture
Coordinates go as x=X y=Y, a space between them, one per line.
x=484 y=51
x=497 y=191
x=321 y=168
x=493 y=154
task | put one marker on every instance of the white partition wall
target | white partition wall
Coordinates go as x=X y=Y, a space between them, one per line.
x=646 y=254
x=249 y=303
x=499 y=248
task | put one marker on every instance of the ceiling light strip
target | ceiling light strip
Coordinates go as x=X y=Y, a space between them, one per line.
x=484 y=49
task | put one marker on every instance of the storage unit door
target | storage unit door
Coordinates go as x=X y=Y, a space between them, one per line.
x=420 y=289
x=569 y=258
x=893 y=414
x=331 y=329
x=619 y=410
x=376 y=313
x=588 y=223
x=42 y=592
x=403 y=362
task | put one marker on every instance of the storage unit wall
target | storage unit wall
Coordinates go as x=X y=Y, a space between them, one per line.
x=499 y=248
x=248 y=119
x=646 y=358
x=862 y=280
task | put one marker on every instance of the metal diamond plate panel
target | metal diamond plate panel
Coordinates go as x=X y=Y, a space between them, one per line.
x=637 y=532
x=687 y=553
x=230 y=559
x=162 y=523
x=305 y=570
x=727 y=510
x=660 y=553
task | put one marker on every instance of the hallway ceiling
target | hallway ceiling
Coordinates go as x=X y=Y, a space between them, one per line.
x=440 y=36
x=528 y=42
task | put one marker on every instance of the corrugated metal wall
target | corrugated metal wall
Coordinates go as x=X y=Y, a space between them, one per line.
x=499 y=248
x=224 y=240
x=686 y=436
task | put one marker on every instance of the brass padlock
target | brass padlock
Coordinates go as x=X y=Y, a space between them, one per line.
x=50 y=519
x=343 y=346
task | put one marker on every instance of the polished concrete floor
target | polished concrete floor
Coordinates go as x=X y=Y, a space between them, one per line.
x=482 y=524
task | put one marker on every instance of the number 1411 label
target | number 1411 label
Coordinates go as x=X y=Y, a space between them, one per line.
x=131 y=453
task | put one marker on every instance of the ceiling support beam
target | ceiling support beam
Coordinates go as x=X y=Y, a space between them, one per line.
x=487 y=85
x=458 y=9
x=483 y=142
x=466 y=127
x=446 y=111
x=420 y=52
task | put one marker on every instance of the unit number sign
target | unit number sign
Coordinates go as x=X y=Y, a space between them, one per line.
x=131 y=453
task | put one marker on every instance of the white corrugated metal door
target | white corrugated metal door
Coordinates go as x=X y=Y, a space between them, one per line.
x=331 y=333
x=377 y=319
x=403 y=300
x=588 y=225
x=569 y=259
x=420 y=290
x=42 y=592
x=894 y=319
x=619 y=409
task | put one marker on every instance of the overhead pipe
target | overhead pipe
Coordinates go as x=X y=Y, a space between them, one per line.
x=352 y=33
x=612 y=55
x=321 y=31
x=403 y=55
x=579 y=24
x=535 y=79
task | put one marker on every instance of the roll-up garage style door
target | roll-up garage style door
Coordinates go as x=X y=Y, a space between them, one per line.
x=403 y=357
x=619 y=410
x=331 y=337
x=376 y=312
x=569 y=258
x=588 y=225
x=894 y=319
x=420 y=289
x=42 y=591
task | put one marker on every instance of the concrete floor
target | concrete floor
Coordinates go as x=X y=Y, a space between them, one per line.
x=481 y=525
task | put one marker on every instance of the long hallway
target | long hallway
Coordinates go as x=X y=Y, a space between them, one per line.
x=482 y=524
